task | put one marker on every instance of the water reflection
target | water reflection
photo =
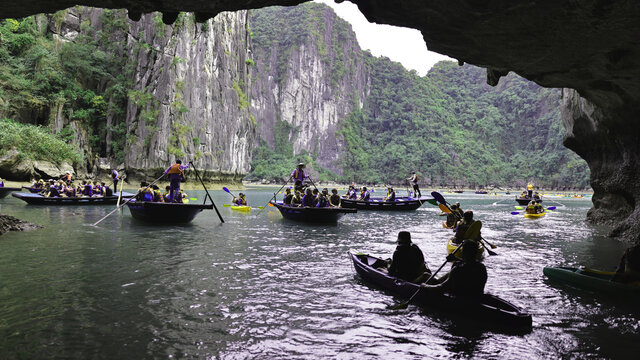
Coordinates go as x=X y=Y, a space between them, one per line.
x=261 y=287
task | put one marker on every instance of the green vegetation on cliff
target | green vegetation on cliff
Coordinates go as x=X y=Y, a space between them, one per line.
x=35 y=142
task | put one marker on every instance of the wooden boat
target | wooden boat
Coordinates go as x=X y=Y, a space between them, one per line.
x=491 y=310
x=458 y=191
x=37 y=199
x=535 y=216
x=166 y=213
x=524 y=200
x=451 y=247
x=401 y=204
x=312 y=214
x=481 y=192
x=4 y=191
x=589 y=279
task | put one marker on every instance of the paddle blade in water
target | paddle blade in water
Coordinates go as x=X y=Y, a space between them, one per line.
x=515 y=213
x=439 y=198
x=551 y=208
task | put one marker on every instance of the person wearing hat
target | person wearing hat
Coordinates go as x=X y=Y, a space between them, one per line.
x=408 y=261
x=461 y=229
x=67 y=176
x=176 y=175
x=466 y=278
x=452 y=217
x=240 y=201
x=299 y=176
x=414 y=182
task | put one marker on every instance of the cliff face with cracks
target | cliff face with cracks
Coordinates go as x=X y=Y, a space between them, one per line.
x=587 y=45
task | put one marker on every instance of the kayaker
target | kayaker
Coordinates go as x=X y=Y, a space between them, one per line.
x=240 y=201
x=466 y=278
x=462 y=227
x=297 y=199
x=538 y=207
x=335 y=200
x=408 y=261
x=531 y=207
x=307 y=199
x=391 y=195
x=414 y=181
x=628 y=270
x=452 y=217
x=176 y=175
x=459 y=211
x=364 y=194
x=288 y=196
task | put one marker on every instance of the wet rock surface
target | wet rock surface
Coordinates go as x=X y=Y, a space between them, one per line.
x=9 y=223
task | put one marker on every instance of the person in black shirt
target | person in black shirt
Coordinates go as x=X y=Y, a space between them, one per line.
x=287 y=197
x=408 y=261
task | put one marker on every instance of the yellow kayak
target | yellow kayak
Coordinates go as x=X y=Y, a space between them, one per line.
x=535 y=216
x=243 y=208
x=451 y=247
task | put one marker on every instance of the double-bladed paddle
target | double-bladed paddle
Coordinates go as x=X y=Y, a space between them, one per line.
x=519 y=212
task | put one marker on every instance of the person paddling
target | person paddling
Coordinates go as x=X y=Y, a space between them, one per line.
x=408 y=261
x=466 y=278
x=176 y=175
x=461 y=229
x=240 y=201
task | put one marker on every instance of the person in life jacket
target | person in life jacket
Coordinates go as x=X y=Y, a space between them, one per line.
x=538 y=207
x=307 y=199
x=463 y=226
x=529 y=190
x=335 y=200
x=298 y=174
x=459 y=210
x=87 y=189
x=452 y=217
x=240 y=201
x=531 y=207
x=145 y=193
x=106 y=191
x=297 y=199
x=69 y=190
x=364 y=194
x=391 y=195
x=157 y=195
x=288 y=196
x=323 y=198
x=166 y=194
x=1 y=182
x=66 y=177
x=176 y=175
x=414 y=182
x=316 y=195
x=97 y=189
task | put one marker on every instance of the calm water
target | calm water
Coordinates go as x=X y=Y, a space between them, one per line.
x=262 y=287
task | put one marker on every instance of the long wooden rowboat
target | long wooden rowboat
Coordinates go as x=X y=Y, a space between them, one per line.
x=312 y=214
x=37 y=199
x=4 y=191
x=490 y=309
x=401 y=204
x=595 y=280
x=524 y=200
x=166 y=213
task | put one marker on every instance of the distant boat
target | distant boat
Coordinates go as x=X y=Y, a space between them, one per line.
x=400 y=204
x=4 y=191
x=525 y=200
x=481 y=192
x=38 y=199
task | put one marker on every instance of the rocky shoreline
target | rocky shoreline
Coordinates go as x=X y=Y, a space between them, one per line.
x=10 y=223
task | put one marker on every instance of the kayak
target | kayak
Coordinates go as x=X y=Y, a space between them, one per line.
x=451 y=247
x=590 y=279
x=535 y=216
x=243 y=208
x=490 y=309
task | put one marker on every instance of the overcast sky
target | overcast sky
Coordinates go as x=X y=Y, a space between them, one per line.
x=399 y=44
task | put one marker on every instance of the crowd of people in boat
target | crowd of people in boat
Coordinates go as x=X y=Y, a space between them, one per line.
x=312 y=198
x=65 y=187
x=152 y=193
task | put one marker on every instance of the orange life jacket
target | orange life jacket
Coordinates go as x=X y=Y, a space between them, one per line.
x=175 y=169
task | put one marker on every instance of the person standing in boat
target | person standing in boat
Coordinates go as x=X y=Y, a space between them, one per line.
x=335 y=200
x=115 y=176
x=466 y=278
x=176 y=175
x=414 y=182
x=529 y=190
x=298 y=175
x=408 y=260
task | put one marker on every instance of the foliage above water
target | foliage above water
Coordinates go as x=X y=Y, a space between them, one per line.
x=35 y=142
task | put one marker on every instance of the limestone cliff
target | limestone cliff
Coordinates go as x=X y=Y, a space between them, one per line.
x=309 y=71
x=186 y=97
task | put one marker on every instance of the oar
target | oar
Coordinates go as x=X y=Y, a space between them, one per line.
x=227 y=191
x=206 y=191
x=119 y=196
x=515 y=213
x=124 y=203
x=275 y=193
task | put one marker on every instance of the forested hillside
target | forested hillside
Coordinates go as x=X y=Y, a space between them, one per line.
x=448 y=125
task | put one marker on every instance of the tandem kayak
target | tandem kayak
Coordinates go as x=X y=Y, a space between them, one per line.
x=491 y=309
x=535 y=216
x=589 y=279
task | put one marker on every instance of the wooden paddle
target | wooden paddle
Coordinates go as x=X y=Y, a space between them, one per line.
x=473 y=230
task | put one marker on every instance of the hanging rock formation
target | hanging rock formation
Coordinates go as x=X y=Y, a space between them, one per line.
x=587 y=45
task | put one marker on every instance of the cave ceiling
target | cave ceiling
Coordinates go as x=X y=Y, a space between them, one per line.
x=591 y=46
